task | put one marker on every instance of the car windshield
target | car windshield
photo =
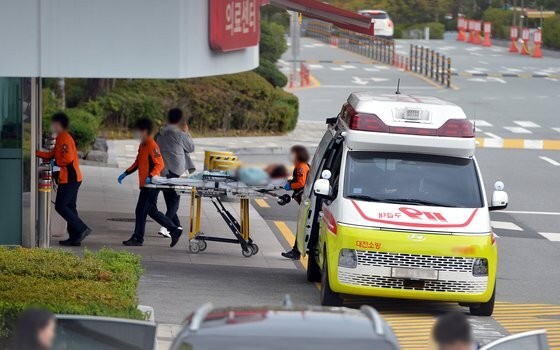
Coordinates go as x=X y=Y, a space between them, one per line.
x=280 y=343
x=377 y=15
x=412 y=179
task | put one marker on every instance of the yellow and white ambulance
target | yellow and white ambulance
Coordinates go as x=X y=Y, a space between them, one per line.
x=394 y=205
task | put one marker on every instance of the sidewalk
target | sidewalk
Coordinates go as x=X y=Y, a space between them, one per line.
x=307 y=133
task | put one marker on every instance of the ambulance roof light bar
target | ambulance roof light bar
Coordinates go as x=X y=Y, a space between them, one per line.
x=461 y=128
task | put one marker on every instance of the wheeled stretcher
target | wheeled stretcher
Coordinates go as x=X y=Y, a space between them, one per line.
x=216 y=187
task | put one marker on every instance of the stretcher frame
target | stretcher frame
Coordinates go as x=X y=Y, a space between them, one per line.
x=215 y=189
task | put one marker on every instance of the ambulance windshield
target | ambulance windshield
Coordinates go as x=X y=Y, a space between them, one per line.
x=412 y=179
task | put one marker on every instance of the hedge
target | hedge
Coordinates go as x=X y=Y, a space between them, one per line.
x=103 y=283
x=436 y=30
x=244 y=101
x=551 y=32
x=271 y=73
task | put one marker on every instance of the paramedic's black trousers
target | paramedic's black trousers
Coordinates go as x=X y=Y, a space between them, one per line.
x=66 y=197
x=147 y=205
x=172 y=200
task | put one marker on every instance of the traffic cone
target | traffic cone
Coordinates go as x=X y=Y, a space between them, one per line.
x=476 y=38
x=537 y=53
x=461 y=35
x=524 y=48
x=513 y=46
x=487 y=41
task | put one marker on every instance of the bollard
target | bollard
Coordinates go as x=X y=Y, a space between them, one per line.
x=44 y=205
x=415 y=58
x=421 y=59
x=525 y=39
x=487 y=34
x=437 y=66
x=426 y=62
x=432 y=64
x=448 y=72
x=443 y=69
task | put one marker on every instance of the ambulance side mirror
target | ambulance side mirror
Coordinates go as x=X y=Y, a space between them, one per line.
x=322 y=188
x=499 y=197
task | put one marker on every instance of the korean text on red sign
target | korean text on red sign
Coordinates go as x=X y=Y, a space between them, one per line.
x=234 y=24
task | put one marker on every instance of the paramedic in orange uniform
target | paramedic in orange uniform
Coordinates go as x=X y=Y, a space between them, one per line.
x=65 y=156
x=300 y=157
x=149 y=163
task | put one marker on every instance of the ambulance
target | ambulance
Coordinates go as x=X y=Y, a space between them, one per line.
x=394 y=205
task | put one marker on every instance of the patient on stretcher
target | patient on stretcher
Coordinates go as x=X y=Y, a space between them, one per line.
x=274 y=174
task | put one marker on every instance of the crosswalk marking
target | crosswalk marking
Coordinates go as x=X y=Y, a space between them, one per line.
x=339 y=69
x=518 y=130
x=551 y=236
x=517 y=318
x=482 y=123
x=505 y=225
x=526 y=124
x=348 y=66
x=316 y=66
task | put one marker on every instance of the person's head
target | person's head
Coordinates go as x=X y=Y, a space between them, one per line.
x=59 y=122
x=143 y=128
x=452 y=331
x=35 y=330
x=175 y=116
x=299 y=154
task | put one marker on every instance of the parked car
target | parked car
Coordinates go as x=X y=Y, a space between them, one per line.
x=382 y=24
x=262 y=328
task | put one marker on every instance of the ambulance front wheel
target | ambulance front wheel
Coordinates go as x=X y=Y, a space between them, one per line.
x=484 y=309
x=194 y=247
x=328 y=297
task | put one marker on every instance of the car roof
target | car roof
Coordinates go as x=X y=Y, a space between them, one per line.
x=372 y=11
x=300 y=322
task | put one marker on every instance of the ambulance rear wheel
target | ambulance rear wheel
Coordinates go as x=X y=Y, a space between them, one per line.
x=484 y=309
x=328 y=297
x=313 y=270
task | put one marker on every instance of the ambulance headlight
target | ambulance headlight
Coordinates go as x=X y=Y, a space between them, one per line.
x=480 y=267
x=347 y=258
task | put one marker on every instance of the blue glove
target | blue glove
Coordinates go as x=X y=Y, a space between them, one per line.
x=121 y=177
x=148 y=180
x=287 y=186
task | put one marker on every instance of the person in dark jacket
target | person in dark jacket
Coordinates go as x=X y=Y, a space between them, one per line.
x=176 y=145
x=452 y=331
x=35 y=330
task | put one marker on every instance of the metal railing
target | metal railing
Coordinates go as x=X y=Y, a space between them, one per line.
x=430 y=64
x=421 y=60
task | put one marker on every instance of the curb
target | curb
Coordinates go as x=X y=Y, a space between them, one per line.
x=148 y=310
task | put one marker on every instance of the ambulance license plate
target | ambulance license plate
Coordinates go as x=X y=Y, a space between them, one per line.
x=414 y=274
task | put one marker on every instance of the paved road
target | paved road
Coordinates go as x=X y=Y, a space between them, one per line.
x=502 y=107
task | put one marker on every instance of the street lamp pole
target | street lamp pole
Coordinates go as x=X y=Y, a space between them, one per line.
x=294 y=42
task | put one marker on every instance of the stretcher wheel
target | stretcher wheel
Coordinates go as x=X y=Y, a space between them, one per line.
x=254 y=248
x=194 y=247
x=202 y=245
x=247 y=253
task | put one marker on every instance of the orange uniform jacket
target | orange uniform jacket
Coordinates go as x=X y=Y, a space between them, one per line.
x=66 y=157
x=300 y=176
x=148 y=161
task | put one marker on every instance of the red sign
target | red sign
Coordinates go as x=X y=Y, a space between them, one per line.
x=525 y=34
x=487 y=27
x=234 y=24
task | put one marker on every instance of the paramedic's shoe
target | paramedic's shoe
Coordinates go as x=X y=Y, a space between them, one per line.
x=69 y=243
x=132 y=242
x=175 y=235
x=84 y=234
x=163 y=232
x=292 y=254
